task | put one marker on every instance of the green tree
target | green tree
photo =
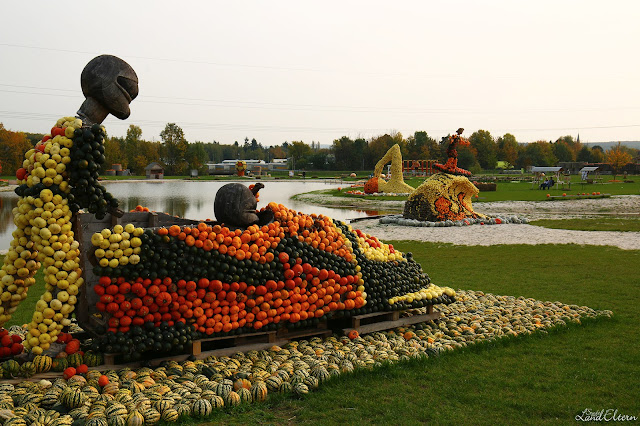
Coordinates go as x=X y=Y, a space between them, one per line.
x=318 y=160
x=175 y=149
x=379 y=145
x=131 y=144
x=573 y=145
x=112 y=152
x=343 y=150
x=584 y=155
x=507 y=148
x=421 y=146
x=299 y=152
x=467 y=157
x=597 y=154
x=486 y=148
x=562 y=152
x=197 y=156
x=538 y=153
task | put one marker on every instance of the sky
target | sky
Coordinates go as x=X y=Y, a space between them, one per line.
x=283 y=71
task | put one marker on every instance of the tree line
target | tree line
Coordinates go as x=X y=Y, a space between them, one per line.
x=345 y=154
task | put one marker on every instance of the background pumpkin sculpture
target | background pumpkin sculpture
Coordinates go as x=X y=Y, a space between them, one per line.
x=446 y=195
x=396 y=182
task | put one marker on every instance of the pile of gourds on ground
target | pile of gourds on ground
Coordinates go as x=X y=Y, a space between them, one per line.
x=199 y=387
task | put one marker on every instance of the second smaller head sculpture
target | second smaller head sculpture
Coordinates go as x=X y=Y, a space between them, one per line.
x=235 y=206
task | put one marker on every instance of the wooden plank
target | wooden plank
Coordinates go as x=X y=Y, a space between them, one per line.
x=152 y=220
x=306 y=333
x=386 y=325
x=356 y=320
x=246 y=336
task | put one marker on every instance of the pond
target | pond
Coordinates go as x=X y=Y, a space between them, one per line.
x=190 y=199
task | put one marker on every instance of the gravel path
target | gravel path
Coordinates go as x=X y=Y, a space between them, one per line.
x=478 y=235
x=627 y=206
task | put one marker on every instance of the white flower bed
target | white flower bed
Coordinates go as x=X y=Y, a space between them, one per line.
x=400 y=220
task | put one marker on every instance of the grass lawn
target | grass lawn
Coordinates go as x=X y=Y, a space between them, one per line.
x=544 y=378
x=25 y=310
x=599 y=224
x=521 y=191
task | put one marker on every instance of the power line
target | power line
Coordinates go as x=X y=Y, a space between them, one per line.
x=221 y=103
x=227 y=65
x=267 y=128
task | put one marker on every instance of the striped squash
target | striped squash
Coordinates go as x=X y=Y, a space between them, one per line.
x=73 y=398
x=16 y=421
x=170 y=415
x=300 y=389
x=201 y=408
x=183 y=410
x=96 y=421
x=65 y=420
x=223 y=389
x=75 y=360
x=135 y=418
x=216 y=401
x=27 y=369
x=163 y=405
x=117 y=421
x=259 y=391
x=151 y=416
x=116 y=409
x=273 y=383
x=245 y=395
x=285 y=387
x=232 y=399
x=42 y=363
x=59 y=364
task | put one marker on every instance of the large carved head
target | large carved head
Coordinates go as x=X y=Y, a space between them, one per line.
x=235 y=205
x=110 y=82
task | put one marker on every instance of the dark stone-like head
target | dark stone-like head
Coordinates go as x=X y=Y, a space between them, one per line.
x=109 y=84
x=235 y=205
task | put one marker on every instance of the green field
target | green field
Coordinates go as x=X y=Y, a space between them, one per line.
x=599 y=224
x=522 y=191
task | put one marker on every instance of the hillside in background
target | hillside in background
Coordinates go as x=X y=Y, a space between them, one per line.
x=606 y=145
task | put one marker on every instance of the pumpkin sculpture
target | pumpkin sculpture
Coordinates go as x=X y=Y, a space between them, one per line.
x=59 y=176
x=218 y=279
x=446 y=195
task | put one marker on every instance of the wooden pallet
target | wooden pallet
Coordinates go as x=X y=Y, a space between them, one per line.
x=393 y=323
x=212 y=344
x=300 y=334
x=234 y=342
x=358 y=320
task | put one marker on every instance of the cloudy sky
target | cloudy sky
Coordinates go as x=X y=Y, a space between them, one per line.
x=314 y=71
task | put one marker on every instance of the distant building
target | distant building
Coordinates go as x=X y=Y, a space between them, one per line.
x=228 y=167
x=154 y=171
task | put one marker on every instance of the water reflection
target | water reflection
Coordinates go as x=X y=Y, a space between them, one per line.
x=190 y=199
x=7 y=203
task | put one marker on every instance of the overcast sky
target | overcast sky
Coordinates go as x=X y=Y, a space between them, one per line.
x=315 y=71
